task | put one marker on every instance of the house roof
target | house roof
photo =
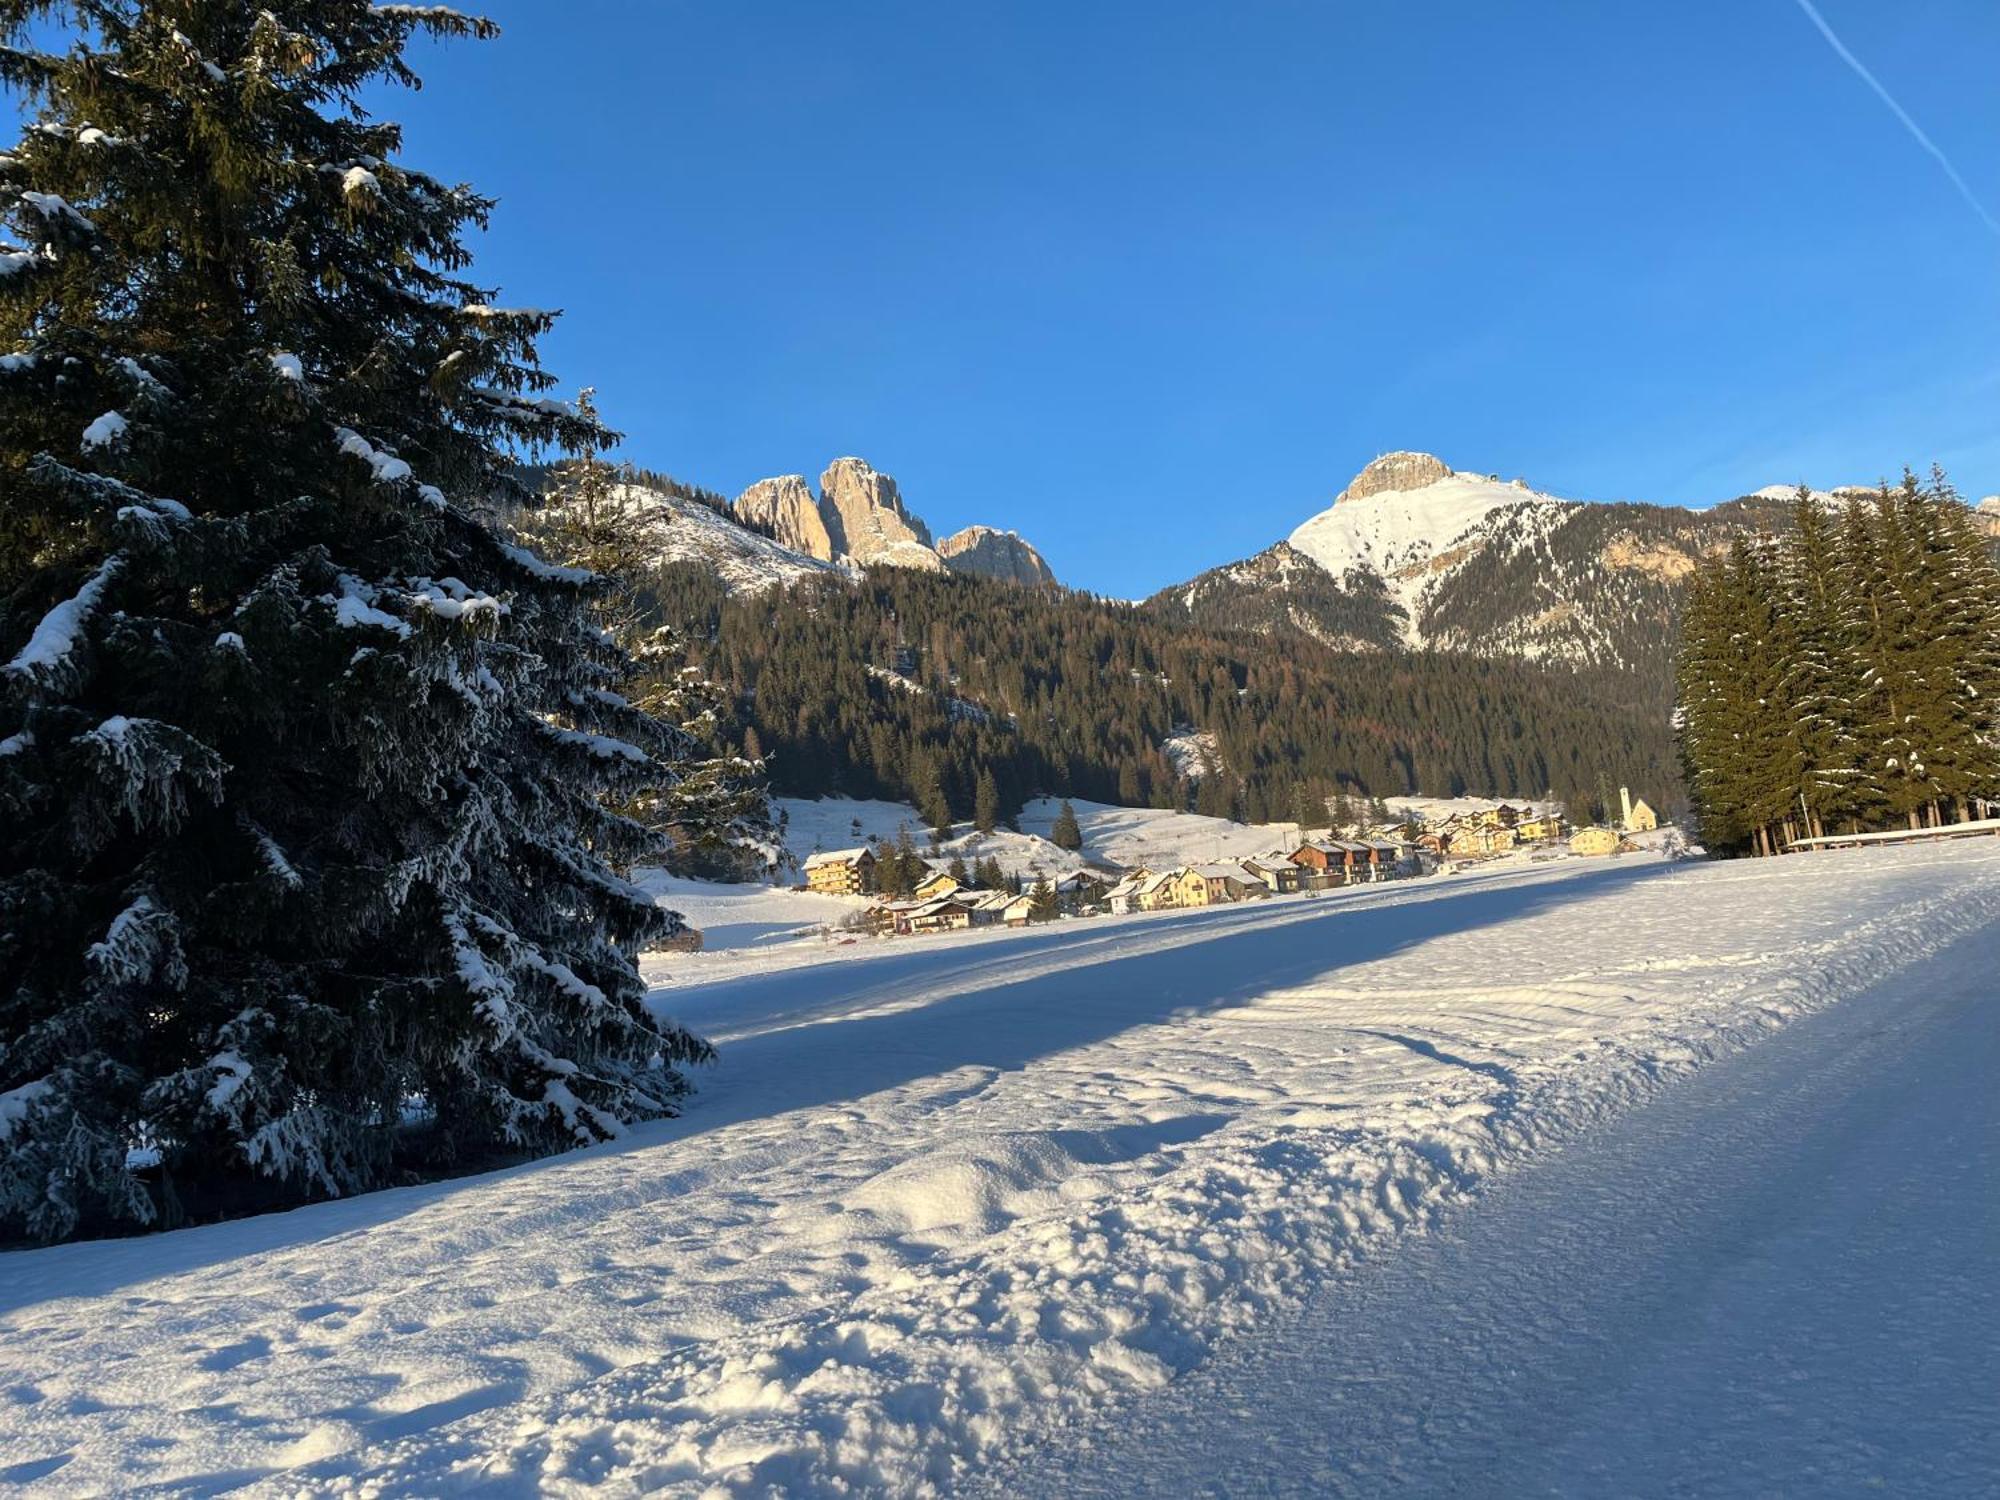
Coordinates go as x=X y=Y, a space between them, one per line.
x=836 y=857
x=1222 y=872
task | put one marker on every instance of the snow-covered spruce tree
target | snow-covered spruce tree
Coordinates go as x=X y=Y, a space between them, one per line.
x=1822 y=682
x=713 y=806
x=300 y=765
x=1739 y=757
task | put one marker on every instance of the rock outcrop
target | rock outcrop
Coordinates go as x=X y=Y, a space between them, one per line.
x=1395 y=471
x=866 y=520
x=986 y=553
x=785 y=510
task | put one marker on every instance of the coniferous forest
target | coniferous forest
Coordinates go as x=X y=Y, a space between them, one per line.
x=915 y=685
x=1844 y=677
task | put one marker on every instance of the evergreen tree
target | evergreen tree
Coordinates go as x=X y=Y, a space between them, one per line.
x=986 y=801
x=1846 y=676
x=302 y=769
x=714 y=809
x=1066 y=833
x=1821 y=683
x=1043 y=906
x=958 y=871
x=900 y=868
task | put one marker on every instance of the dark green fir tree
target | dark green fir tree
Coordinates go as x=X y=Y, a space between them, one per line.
x=1066 y=832
x=306 y=863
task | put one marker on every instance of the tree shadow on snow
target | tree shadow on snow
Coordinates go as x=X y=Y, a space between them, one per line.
x=961 y=1013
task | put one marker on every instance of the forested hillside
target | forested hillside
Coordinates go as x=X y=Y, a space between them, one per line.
x=911 y=685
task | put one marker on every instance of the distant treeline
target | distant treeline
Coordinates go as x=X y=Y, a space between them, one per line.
x=911 y=684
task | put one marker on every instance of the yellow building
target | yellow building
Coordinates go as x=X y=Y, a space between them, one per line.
x=1483 y=839
x=932 y=886
x=841 y=872
x=1537 y=829
x=1176 y=888
x=1593 y=841
x=1639 y=817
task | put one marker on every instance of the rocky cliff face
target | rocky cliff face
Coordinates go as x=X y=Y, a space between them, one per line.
x=867 y=521
x=1395 y=471
x=986 y=553
x=859 y=517
x=784 y=508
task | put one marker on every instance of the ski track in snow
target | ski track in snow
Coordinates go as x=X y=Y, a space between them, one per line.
x=938 y=1201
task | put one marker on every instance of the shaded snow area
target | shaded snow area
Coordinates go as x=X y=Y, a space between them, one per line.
x=937 y=1206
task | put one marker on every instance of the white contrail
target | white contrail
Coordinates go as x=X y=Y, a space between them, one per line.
x=1916 y=130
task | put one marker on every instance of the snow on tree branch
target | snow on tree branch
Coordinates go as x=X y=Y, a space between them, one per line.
x=50 y=652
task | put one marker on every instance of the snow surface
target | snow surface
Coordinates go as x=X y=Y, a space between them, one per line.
x=1741 y=1288
x=57 y=633
x=935 y=1204
x=1402 y=534
x=1191 y=752
x=1437 y=809
x=747 y=561
x=104 y=431
x=1129 y=837
x=1113 y=837
x=749 y=916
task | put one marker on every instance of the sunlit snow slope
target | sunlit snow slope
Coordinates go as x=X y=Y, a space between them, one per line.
x=936 y=1202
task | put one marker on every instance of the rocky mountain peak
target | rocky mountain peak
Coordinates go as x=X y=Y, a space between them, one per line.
x=867 y=520
x=785 y=509
x=1395 y=471
x=990 y=553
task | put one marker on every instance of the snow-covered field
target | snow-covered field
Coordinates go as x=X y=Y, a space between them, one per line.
x=752 y=915
x=1122 y=837
x=941 y=1198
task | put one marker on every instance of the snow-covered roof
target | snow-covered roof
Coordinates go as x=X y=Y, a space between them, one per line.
x=1222 y=872
x=836 y=857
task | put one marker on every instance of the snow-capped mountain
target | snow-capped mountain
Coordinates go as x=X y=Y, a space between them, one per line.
x=1416 y=555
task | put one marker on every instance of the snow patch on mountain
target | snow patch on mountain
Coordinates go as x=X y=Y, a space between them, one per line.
x=1193 y=753
x=1406 y=537
x=746 y=561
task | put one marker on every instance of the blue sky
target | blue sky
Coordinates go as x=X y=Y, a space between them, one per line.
x=1149 y=282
